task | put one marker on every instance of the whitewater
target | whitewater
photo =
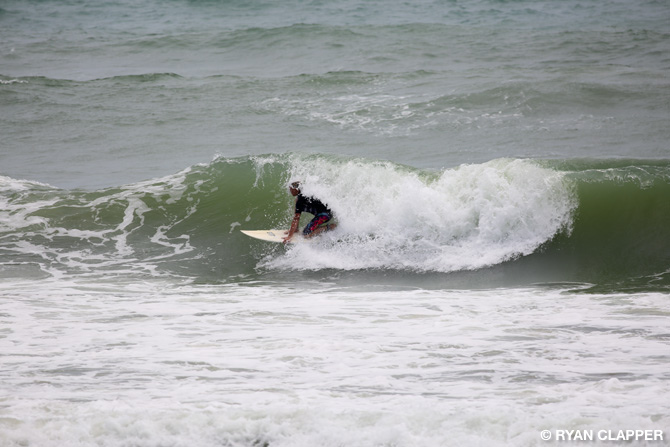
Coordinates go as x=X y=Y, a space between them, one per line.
x=499 y=173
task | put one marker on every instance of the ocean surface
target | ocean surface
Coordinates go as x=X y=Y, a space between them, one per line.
x=499 y=171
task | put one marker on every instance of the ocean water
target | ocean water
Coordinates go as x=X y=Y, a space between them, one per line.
x=500 y=174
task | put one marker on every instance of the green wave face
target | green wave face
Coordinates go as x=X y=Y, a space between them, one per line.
x=180 y=224
x=621 y=229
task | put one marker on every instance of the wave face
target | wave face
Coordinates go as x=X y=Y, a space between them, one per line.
x=569 y=220
x=621 y=231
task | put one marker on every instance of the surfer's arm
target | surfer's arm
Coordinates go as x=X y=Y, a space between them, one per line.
x=294 y=227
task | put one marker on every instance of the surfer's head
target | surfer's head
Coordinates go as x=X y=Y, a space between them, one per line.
x=294 y=188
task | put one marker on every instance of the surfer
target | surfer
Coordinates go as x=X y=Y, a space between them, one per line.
x=322 y=214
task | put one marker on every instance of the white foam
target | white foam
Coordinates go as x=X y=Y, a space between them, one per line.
x=148 y=364
x=387 y=114
x=12 y=81
x=392 y=216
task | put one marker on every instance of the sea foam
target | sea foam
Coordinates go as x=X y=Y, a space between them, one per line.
x=391 y=216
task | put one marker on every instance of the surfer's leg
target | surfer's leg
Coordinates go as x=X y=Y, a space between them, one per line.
x=313 y=227
x=322 y=229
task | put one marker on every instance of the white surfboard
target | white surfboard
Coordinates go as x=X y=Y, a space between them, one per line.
x=273 y=235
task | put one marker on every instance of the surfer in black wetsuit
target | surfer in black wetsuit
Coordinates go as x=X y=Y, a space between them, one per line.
x=322 y=214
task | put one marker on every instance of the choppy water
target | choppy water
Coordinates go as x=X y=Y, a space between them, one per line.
x=500 y=173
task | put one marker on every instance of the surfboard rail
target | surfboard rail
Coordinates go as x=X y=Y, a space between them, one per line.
x=276 y=236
